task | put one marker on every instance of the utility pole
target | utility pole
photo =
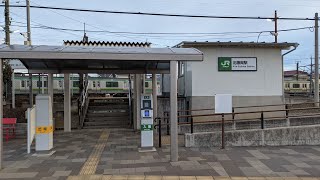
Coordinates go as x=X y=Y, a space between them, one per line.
x=316 y=60
x=311 y=76
x=297 y=71
x=7 y=22
x=29 y=43
x=275 y=27
x=28 y=22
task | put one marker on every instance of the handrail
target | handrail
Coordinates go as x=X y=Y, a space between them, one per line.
x=241 y=107
x=249 y=112
x=262 y=119
x=84 y=102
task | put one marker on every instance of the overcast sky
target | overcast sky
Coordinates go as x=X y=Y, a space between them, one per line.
x=136 y=23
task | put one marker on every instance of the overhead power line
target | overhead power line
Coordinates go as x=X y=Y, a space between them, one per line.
x=166 y=33
x=156 y=14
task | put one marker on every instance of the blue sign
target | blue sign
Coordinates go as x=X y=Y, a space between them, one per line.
x=146 y=113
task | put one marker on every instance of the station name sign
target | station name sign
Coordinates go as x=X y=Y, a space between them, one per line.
x=237 y=64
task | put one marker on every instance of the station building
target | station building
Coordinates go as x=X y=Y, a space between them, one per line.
x=251 y=72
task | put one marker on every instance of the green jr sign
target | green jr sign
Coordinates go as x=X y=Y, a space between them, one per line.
x=224 y=64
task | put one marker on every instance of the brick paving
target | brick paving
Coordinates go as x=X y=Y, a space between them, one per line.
x=116 y=151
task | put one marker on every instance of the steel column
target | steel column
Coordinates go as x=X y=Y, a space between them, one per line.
x=67 y=104
x=154 y=95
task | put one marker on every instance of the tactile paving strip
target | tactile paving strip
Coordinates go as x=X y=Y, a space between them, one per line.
x=91 y=164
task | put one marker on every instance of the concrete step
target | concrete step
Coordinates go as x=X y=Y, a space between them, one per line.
x=121 y=118
x=109 y=107
x=107 y=114
x=106 y=127
x=120 y=123
x=109 y=111
x=104 y=104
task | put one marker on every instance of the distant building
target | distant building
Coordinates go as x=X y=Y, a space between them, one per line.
x=294 y=75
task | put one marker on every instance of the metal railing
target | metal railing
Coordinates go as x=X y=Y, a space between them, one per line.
x=84 y=102
x=223 y=120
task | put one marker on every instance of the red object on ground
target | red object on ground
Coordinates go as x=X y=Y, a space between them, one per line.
x=9 y=126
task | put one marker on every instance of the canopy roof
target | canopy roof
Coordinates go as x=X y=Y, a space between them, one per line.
x=230 y=44
x=71 y=59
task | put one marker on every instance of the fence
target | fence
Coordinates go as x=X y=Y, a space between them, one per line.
x=223 y=120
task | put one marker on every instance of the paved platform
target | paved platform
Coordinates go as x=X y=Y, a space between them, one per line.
x=113 y=154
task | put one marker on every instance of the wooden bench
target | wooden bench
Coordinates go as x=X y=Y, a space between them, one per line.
x=9 y=126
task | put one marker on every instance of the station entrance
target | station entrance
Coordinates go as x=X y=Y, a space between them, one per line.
x=66 y=60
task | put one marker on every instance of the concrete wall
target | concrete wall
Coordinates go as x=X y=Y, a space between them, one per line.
x=302 y=135
x=266 y=81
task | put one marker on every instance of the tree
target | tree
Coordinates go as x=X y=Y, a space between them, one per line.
x=7 y=72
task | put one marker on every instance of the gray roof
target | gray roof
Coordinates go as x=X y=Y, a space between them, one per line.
x=65 y=59
x=230 y=44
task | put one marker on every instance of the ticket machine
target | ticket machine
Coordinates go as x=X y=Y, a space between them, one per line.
x=146 y=122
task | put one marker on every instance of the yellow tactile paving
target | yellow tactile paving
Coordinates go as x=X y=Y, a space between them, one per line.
x=90 y=166
x=141 y=177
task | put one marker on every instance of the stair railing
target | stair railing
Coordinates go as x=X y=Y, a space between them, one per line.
x=84 y=102
x=130 y=100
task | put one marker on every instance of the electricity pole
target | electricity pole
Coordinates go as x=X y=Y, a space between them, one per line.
x=7 y=22
x=316 y=60
x=28 y=22
x=275 y=27
x=297 y=71
x=311 y=77
x=29 y=43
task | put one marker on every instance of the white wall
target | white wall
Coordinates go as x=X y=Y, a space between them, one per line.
x=266 y=81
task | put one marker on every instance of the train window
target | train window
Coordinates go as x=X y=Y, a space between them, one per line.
x=75 y=83
x=112 y=84
x=28 y=83
x=60 y=83
x=94 y=84
x=39 y=83
x=23 y=83
x=146 y=84
x=98 y=83
x=45 y=83
x=296 y=85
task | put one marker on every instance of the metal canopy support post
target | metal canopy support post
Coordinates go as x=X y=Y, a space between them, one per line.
x=154 y=95
x=13 y=91
x=138 y=104
x=30 y=90
x=143 y=83
x=135 y=110
x=1 y=115
x=50 y=87
x=173 y=111
x=67 y=104
x=42 y=84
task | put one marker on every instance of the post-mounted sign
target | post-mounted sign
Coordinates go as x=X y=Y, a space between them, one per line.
x=237 y=64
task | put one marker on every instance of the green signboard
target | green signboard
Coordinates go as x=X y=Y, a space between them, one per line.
x=224 y=64
x=237 y=64
x=146 y=127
